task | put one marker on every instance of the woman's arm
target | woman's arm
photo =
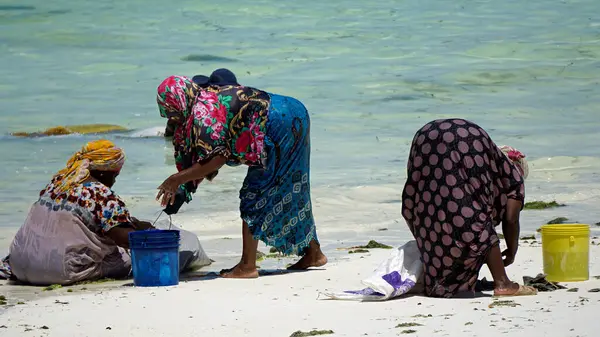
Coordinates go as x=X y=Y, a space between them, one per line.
x=168 y=189
x=200 y=171
x=511 y=229
x=141 y=225
x=120 y=235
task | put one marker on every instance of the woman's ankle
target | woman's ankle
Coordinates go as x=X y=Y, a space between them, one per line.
x=503 y=282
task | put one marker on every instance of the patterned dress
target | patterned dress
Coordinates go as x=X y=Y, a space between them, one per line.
x=99 y=207
x=455 y=195
x=267 y=132
x=63 y=239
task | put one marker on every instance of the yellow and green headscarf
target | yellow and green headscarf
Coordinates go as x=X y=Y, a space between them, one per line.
x=99 y=155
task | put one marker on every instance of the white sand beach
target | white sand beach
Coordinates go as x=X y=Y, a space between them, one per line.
x=371 y=74
x=279 y=305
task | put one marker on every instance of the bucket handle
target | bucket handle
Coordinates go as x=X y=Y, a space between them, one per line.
x=158 y=217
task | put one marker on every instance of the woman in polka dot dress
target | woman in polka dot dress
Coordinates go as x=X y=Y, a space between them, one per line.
x=460 y=186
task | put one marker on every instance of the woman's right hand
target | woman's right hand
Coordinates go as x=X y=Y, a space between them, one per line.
x=509 y=256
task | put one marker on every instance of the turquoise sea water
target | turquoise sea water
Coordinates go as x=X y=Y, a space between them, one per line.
x=371 y=73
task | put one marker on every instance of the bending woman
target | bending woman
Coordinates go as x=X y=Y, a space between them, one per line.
x=269 y=133
x=78 y=229
x=460 y=186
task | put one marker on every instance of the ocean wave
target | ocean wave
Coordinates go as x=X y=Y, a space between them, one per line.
x=153 y=132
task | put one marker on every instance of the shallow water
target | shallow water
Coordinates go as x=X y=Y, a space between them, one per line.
x=370 y=73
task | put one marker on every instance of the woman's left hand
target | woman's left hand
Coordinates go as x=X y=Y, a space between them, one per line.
x=167 y=190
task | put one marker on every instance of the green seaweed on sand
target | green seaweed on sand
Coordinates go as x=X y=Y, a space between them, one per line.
x=528 y=237
x=557 y=221
x=260 y=256
x=102 y=280
x=408 y=325
x=405 y=332
x=500 y=236
x=3 y=300
x=597 y=277
x=573 y=290
x=503 y=303
x=312 y=333
x=469 y=323
x=422 y=316
x=357 y=251
x=273 y=250
x=52 y=287
x=372 y=244
x=542 y=205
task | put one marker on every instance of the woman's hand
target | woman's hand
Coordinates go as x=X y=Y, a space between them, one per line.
x=509 y=257
x=141 y=225
x=167 y=190
x=511 y=230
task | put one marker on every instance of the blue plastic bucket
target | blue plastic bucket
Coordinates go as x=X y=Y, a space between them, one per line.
x=155 y=257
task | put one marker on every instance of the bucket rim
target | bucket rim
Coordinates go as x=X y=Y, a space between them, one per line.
x=156 y=231
x=565 y=228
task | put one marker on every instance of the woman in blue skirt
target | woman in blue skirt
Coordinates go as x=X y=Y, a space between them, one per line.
x=233 y=125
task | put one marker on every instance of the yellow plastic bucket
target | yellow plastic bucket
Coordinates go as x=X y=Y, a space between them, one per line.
x=566 y=250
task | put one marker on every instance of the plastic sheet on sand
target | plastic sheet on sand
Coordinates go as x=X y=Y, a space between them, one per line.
x=400 y=274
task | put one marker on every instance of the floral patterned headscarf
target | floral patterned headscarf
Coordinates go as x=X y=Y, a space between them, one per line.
x=176 y=96
x=201 y=122
x=518 y=158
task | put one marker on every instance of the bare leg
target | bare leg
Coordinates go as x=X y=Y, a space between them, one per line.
x=314 y=257
x=502 y=284
x=247 y=266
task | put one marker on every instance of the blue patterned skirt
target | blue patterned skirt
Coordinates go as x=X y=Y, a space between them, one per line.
x=275 y=201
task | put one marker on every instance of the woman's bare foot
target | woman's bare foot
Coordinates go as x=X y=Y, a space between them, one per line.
x=227 y=270
x=513 y=289
x=314 y=257
x=506 y=289
x=240 y=271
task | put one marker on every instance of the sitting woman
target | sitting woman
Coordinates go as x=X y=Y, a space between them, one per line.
x=460 y=186
x=78 y=229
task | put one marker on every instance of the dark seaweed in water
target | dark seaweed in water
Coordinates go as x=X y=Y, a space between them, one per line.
x=16 y=8
x=542 y=205
x=206 y=58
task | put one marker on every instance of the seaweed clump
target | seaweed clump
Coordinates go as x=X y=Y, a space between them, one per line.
x=557 y=221
x=312 y=333
x=506 y=303
x=542 y=205
x=67 y=130
x=52 y=287
x=102 y=280
x=358 y=251
x=408 y=325
x=372 y=244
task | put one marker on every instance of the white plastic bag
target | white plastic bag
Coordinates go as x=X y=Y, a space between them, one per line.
x=400 y=274
x=191 y=254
